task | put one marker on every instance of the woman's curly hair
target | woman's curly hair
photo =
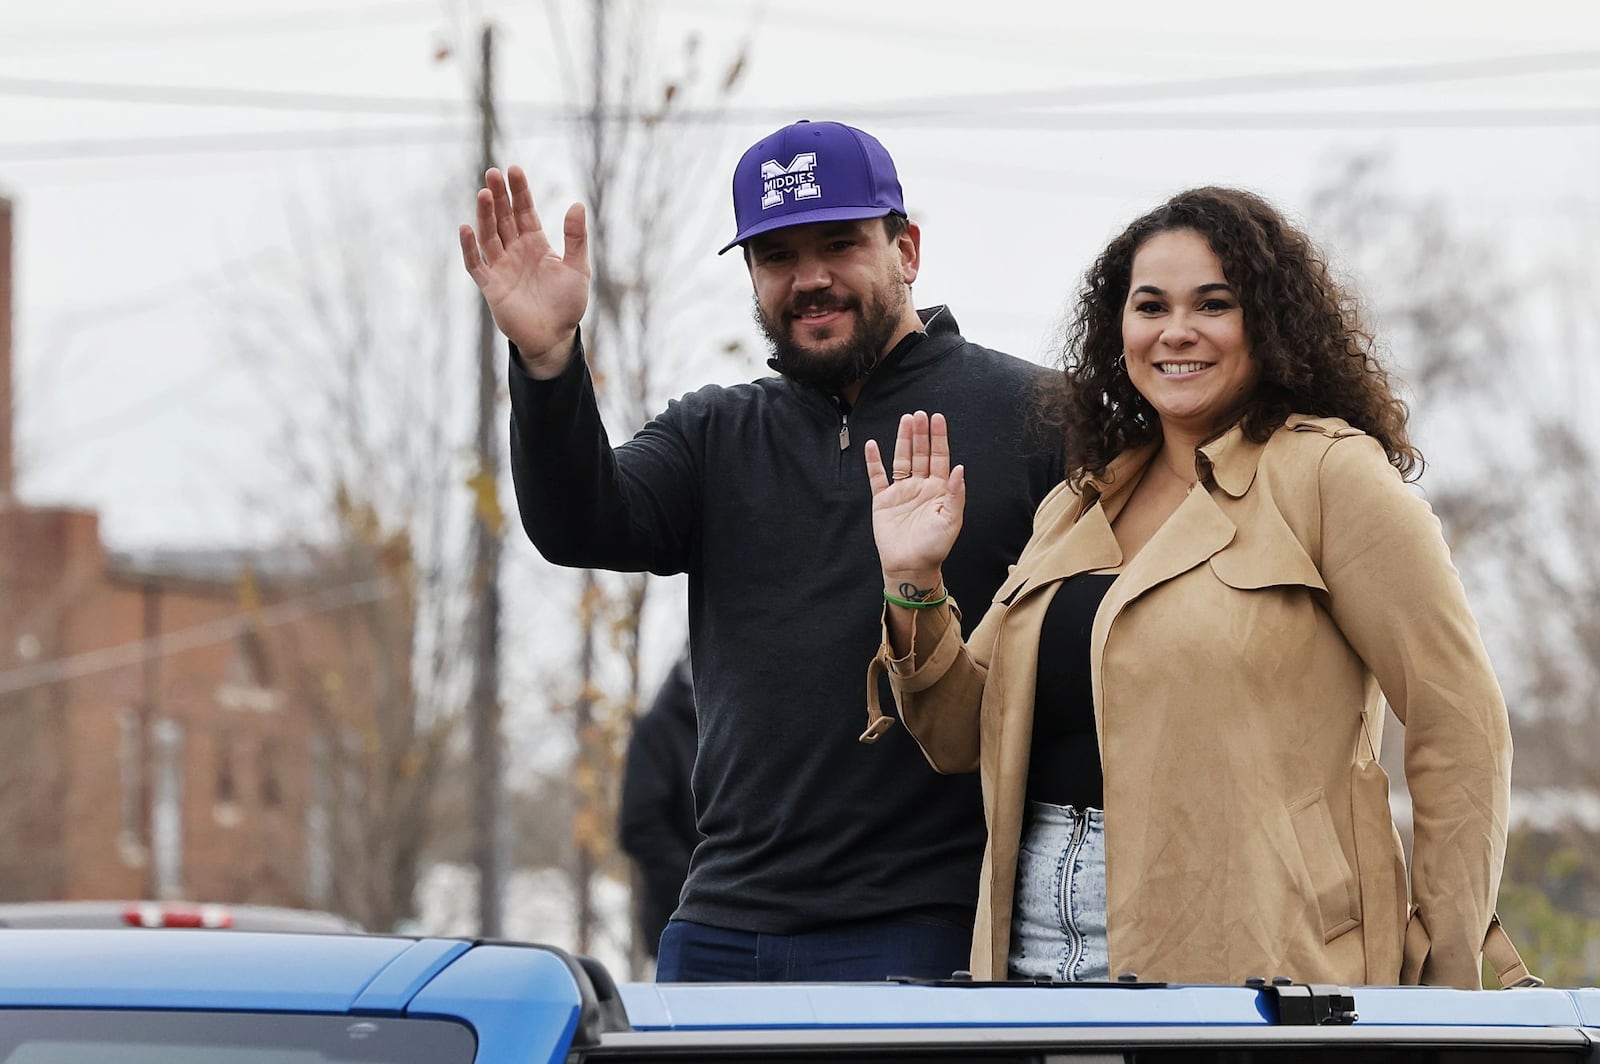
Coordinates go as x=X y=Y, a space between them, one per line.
x=1304 y=330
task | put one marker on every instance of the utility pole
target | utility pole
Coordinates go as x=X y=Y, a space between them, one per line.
x=484 y=708
x=590 y=771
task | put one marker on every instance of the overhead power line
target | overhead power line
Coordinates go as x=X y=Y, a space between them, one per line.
x=200 y=635
x=1265 y=121
x=206 y=144
x=1490 y=68
x=56 y=37
x=1057 y=122
x=1009 y=111
x=256 y=99
x=1368 y=77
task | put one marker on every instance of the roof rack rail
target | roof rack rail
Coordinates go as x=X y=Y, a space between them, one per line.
x=1292 y=1004
x=600 y=1008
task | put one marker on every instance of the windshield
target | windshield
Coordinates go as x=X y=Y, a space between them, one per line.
x=139 y=1037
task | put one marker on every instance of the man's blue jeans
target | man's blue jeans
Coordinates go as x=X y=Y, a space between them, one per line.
x=923 y=947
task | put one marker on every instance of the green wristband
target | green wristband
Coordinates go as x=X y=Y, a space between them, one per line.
x=913 y=604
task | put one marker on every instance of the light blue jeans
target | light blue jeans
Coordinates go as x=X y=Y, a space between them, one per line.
x=1058 y=918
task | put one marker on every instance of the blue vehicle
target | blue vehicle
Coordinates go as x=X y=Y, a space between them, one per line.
x=190 y=997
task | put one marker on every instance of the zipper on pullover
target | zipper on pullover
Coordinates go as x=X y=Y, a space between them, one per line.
x=842 y=470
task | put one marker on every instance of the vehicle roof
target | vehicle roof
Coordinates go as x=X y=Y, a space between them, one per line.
x=530 y=999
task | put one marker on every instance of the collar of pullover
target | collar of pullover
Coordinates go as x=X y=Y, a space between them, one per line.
x=939 y=328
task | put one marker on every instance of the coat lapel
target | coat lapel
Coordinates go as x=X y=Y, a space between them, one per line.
x=1079 y=539
x=1073 y=545
x=1196 y=530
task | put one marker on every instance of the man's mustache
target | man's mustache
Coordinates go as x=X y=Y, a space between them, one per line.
x=820 y=301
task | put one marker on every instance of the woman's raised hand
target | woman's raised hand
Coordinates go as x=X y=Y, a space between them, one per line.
x=917 y=503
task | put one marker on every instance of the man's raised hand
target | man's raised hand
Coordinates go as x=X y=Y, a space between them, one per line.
x=536 y=294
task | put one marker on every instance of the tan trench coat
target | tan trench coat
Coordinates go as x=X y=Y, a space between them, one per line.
x=1237 y=664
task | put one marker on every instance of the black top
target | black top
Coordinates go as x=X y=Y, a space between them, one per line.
x=655 y=817
x=1064 y=760
x=759 y=493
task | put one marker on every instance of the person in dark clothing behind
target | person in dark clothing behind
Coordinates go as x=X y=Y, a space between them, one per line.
x=655 y=824
x=824 y=858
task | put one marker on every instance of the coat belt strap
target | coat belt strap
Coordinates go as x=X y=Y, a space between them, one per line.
x=877 y=721
x=1503 y=957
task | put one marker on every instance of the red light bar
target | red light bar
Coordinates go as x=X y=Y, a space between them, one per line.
x=154 y=915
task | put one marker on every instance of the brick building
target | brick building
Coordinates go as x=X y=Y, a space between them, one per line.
x=170 y=721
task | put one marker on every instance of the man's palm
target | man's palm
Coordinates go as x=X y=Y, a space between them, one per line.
x=536 y=294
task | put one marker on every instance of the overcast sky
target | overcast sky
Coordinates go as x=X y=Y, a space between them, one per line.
x=155 y=152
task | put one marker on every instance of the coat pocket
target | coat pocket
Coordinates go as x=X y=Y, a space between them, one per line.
x=1334 y=885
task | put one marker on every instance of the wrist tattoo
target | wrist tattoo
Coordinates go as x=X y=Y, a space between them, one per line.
x=911 y=591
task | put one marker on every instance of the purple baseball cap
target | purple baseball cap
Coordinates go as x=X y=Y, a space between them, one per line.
x=812 y=172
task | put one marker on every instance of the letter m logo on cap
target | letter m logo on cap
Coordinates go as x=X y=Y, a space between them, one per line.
x=798 y=178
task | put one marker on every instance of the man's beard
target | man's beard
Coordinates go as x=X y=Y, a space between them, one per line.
x=841 y=360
